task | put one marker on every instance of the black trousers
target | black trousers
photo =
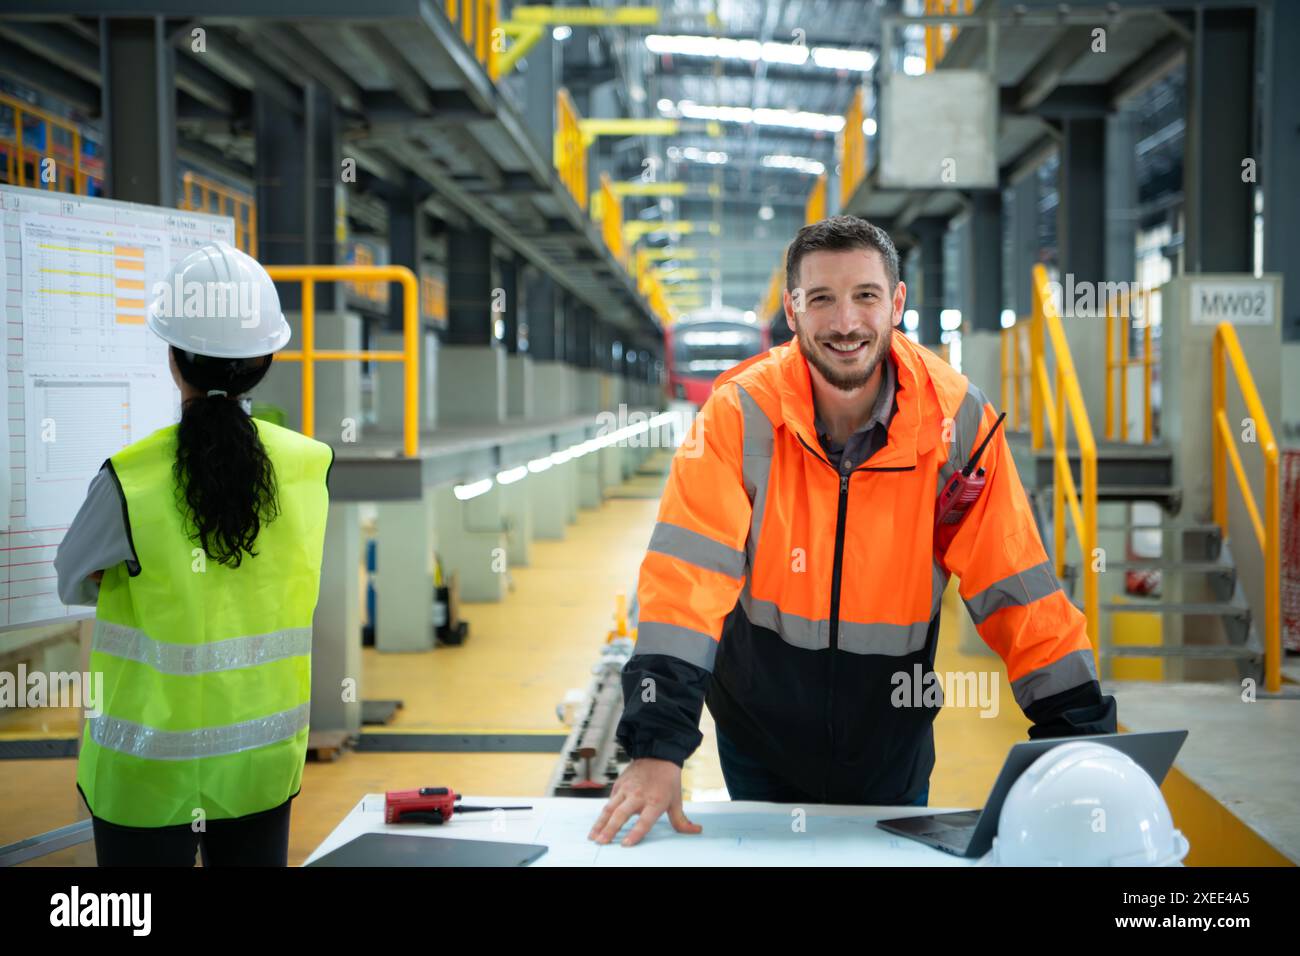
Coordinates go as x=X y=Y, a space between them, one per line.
x=258 y=839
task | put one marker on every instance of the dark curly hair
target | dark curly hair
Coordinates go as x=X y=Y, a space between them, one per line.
x=225 y=478
x=835 y=234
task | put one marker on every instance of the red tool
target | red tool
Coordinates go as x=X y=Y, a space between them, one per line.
x=960 y=492
x=428 y=805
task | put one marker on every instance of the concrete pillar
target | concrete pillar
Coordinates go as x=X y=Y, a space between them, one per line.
x=404 y=576
x=930 y=293
x=517 y=510
x=1081 y=215
x=297 y=162
x=520 y=386
x=1121 y=196
x=985 y=249
x=1024 y=244
x=550 y=502
x=1221 y=77
x=471 y=541
x=588 y=395
x=554 y=390
x=1277 y=175
x=336 y=625
x=590 y=481
x=405 y=242
x=471 y=385
x=138 y=103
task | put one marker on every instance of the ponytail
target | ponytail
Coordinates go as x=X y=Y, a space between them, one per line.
x=225 y=477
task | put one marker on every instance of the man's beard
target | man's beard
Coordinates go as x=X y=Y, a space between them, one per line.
x=846 y=381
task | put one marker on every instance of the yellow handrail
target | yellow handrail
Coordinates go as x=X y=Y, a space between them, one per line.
x=1228 y=347
x=1119 y=310
x=1015 y=370
x=853 y=148
x=308 y=355
x=1046 y=325
x=815 y=209
x=938 y=37
x=214 y=197
x=570 y=150
x=609 y=213
x=16 y=155
x=477 y=20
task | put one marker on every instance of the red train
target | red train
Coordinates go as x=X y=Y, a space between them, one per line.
x=703 y=344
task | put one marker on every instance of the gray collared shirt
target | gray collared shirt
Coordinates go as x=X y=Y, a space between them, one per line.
x=871 y=437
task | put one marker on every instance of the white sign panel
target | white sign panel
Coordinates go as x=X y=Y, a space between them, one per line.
x=1240 y=303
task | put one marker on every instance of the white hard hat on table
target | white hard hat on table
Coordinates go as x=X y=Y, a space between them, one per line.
x=249 y=322
x=1086 y=804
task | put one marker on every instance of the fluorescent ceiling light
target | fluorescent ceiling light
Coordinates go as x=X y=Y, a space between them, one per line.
x=727 y=48
x=837 y=58
x=473 y=489
x=714 y=157
x=790 y=119
x=511 y=475
x=799 y=163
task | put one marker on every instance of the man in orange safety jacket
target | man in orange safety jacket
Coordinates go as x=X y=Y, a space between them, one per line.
x=794 y=574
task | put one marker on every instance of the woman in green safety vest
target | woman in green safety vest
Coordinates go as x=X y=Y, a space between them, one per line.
x=200 y=547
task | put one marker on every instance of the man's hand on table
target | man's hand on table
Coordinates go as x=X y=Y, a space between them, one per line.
x=645 y=789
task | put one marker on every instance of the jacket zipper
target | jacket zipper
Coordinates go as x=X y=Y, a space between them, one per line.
x=841 y=516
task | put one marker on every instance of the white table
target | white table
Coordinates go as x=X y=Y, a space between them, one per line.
x=735 y=834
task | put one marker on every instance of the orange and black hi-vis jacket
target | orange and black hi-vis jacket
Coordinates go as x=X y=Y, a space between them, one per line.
x=791 y=594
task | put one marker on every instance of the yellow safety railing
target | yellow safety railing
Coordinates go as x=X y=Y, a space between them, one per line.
x=853 y=148
x=1119 y=315
x=477 y=20
x=939 y=36
x=70 y=167
x=1227 y=348
x=570 y=150
x=200 y=194
x=309 y=355
x=1054 y=403
x=1016 y=372
x=814 y=209
x=608 y=211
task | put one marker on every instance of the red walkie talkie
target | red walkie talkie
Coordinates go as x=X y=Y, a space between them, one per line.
x=960 y=492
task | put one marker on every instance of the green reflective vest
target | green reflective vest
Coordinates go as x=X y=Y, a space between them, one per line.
x=207 y=669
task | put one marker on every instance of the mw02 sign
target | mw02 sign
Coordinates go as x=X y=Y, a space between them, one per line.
x=1240 y=303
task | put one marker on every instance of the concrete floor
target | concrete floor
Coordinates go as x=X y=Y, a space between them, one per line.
x=1246 y=756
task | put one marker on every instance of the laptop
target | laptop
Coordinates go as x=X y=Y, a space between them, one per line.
x=970 y=833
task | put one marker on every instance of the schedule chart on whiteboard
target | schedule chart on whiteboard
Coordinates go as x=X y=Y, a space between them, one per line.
x=83 y=374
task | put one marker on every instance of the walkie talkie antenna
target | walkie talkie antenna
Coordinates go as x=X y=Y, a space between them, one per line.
x=970 y=465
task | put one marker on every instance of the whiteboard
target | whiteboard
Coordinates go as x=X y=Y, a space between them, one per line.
x=83 y=375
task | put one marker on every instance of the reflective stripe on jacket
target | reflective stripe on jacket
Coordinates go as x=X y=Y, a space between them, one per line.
x=207 y=668
x=793 y=595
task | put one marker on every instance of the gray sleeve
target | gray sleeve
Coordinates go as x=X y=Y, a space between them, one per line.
x=97 y=539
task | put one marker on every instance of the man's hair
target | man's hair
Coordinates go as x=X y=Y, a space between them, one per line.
x=835 y=234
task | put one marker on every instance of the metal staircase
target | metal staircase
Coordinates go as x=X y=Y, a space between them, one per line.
x=1191 y=551
x=1076 y=484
